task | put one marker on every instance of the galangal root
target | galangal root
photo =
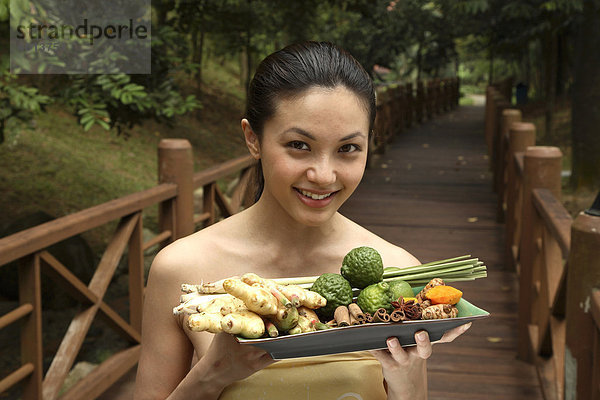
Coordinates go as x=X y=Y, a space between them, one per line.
x=250 y=306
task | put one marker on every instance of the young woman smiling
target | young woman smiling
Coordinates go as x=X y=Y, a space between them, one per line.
x=310 y=112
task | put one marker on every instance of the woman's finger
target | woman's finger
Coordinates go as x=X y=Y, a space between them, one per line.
x=396 y=350
x=454 y=333
x=424 y=349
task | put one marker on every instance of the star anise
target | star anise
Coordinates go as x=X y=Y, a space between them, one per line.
x=406 y=310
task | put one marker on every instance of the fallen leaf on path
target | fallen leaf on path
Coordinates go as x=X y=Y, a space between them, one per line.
x=494 y=339
x=472 y=219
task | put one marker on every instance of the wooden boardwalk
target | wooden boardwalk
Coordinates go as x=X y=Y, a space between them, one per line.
x=431 y=193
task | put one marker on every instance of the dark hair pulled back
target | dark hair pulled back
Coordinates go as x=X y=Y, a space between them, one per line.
x=297 y=68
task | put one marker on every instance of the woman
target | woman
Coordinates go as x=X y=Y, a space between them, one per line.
x=310 y=113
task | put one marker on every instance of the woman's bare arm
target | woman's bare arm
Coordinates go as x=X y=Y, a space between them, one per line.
x=166 y=356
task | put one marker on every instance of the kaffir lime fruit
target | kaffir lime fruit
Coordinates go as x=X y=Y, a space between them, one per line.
x=362 y=267
x=374 y=297
x=400 y=288
x=336 y=290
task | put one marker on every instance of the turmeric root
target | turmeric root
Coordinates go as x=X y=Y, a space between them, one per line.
x=440 y=311
x=244 y=323
x=444 y=295
x=432 y=283
x=257 y=299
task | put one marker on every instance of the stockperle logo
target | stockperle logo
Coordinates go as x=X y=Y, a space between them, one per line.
x=80 y=37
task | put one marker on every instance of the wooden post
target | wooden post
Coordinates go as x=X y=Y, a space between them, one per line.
x=401 y=99
x=420 y=100
x=410 y=105
x=136 y=275
x=509 y=116
x=542 y=168
x=456 y=91
x=490 y=106
x=30 y=292
x=438 y=97
x=583 y=276
x=521 y=135
x=501 y=104
x=176 y=165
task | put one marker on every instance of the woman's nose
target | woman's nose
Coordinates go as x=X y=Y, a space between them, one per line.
x=322 y=173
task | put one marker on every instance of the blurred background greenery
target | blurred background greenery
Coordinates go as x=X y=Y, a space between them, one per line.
x=71 y=141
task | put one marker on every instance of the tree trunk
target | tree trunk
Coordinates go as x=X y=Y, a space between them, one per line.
x=419 y=61
x=491 y=70
x=586 y=101
x=550 y=59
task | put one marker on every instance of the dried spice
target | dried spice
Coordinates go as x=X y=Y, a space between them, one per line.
x=406 y=310
x=381 y=315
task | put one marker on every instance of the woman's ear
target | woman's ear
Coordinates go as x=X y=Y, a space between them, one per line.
x=251 y=139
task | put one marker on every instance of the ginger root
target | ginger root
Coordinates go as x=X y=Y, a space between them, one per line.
x=257 y=299
x=296 y=294
x=201 y=322
x=244 y=323
x=194 y=303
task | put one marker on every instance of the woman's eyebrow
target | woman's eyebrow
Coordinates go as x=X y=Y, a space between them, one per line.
x=310 y=136
x=301 y=132
x=352 y=135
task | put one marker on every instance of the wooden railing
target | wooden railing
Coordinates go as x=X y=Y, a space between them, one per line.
x=557 y=259
x=174 y=197
x=397 y=108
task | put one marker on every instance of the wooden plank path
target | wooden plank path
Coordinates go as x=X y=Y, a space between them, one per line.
x=431 y=193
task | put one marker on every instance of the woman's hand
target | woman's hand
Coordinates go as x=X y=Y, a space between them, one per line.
x=227 y=361
x=405 y=369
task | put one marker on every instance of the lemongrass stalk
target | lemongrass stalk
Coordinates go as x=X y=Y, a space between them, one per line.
x=431 y=274
x=391 y=271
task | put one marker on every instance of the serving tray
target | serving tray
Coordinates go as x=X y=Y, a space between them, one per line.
x=362 y=337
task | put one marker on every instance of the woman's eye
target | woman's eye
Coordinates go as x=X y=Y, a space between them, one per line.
x=349 y=148
x=298 y=145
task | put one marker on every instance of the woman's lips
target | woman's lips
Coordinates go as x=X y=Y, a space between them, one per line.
x=314 y=203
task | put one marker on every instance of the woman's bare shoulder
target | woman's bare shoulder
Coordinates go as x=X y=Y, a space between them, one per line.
x=202 y=255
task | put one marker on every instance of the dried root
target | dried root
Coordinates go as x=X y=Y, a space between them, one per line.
x=440 y=311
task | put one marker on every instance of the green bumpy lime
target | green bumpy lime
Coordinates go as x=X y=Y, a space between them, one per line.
x=362 y=267
x=374 y=297
x=400 y=288
x=336 y=290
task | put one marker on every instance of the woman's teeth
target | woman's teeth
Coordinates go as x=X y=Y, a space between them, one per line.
x=315 y=196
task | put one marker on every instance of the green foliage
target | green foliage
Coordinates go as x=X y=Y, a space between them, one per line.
x=122 y=101
x=18 y=103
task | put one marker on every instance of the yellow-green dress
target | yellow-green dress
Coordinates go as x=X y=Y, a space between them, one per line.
x=347 y=376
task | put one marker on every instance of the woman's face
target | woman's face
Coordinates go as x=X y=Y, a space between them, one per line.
x=313 y=152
